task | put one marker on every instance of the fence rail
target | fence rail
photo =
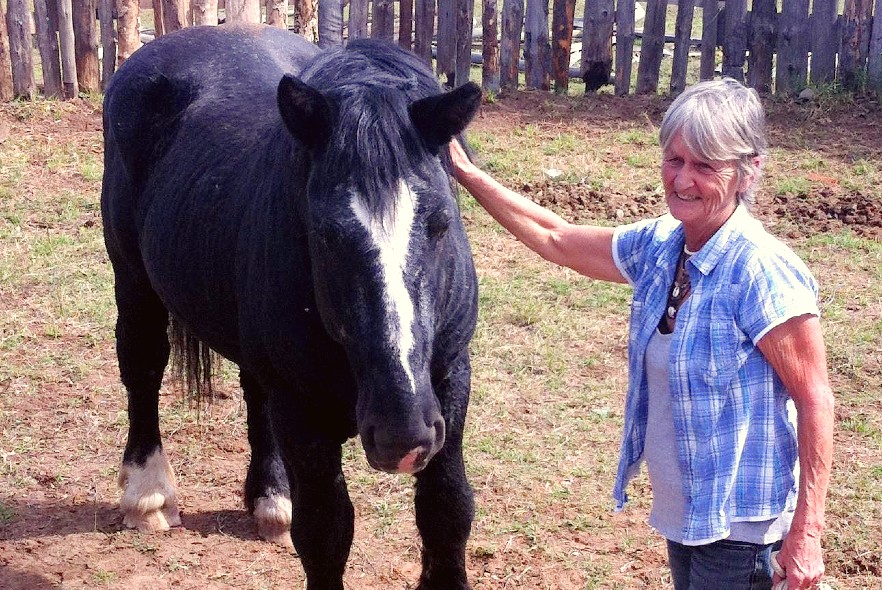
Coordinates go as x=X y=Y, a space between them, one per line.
x=79 y=43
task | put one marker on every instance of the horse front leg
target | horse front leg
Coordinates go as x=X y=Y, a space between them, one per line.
x=267 y=490
x=322 y=514
x=443 y=499
x=149 y=502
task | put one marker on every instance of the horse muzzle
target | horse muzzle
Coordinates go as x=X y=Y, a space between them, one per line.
x=396 y=450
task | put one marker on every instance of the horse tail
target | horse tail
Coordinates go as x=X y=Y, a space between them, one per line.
x=192 y=363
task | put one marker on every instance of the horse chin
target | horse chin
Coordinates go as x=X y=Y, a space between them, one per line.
x=413 y=462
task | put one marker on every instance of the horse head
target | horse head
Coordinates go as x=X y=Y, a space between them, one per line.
x=386 y=241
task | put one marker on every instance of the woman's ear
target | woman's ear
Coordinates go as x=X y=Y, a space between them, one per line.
x=748 y=179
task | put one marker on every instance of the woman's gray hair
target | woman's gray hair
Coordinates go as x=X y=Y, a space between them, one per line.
x=720 y=120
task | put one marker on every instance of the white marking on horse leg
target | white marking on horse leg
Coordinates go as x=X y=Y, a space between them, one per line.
x=149 y=502
x=393 y=242
x=273 y=516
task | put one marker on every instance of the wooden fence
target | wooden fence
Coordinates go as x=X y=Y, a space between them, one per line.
x=80 y=42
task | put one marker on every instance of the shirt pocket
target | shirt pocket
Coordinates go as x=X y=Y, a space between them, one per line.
x=714 y=356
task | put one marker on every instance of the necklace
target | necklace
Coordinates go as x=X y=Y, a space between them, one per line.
x=679 y=291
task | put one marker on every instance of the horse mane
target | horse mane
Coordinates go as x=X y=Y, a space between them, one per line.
x=371 y=84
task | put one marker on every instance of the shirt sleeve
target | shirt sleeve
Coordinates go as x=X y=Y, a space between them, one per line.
x=631 y=245
x=779 y=287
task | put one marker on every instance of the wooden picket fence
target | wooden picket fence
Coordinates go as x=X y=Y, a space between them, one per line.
x=80 y=42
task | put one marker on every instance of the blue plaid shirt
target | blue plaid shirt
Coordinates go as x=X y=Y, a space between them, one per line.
x=734 y=419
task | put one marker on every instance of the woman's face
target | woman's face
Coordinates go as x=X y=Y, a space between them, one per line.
x=701 y=194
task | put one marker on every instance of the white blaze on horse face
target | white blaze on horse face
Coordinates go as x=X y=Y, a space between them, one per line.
x=392 y=240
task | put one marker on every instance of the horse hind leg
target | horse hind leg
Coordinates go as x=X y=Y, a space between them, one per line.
x=149 y=501
x=267 y=491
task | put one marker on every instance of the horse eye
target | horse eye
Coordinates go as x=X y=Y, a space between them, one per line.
x=437 y=223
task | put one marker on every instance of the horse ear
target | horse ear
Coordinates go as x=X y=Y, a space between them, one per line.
x=305 y=112
x=439 y=118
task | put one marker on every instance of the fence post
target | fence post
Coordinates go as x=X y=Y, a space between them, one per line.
x=277 y=13
x=48 y=43
x=242 y=11
x=204 y=12
x=490 y=47
x=710 y=14
x=624 y=45
x=6 y=91
x=597 y=28
x=445 y=46
x=108 y=41
x=652 y=47
x=561 y=43
x=127 y=12
x=874 y=63
x=405 y=24
x=682 y=44
x=383 y=19
x=510 y=43
x=330 y=23
x=537 y=49
x=825 y=41
x=762 y=45
x=358 y=19
x=855 y=43
x=21 y=49
x=465 y=10
x=790 y=75
x=68 y=49
x=424 y=28
x=735 y=39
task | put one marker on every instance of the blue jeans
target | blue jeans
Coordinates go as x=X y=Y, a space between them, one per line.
x=729 y=565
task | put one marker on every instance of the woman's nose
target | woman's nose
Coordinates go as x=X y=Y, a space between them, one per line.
x=683 y=180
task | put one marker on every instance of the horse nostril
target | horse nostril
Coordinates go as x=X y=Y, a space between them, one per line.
x=440 y=432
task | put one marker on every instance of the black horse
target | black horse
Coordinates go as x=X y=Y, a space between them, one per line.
x=293 y=210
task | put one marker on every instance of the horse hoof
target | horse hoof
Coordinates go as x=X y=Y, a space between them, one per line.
x=273 y=516
x=154 y=521
x=149 y=502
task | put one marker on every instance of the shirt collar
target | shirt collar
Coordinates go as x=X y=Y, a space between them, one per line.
x=707 y=258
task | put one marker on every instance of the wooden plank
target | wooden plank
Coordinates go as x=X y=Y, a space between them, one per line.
x=561 y=42
x=445 y=42
x=108 y=41
x=127 y=14
x=855 y=42
x=490 y=78
x=47 y=41
x=174 y=15
x=825 y=41
x=597 y=30
x=21 y=49
x=86 y=45
x=464 y=17
x=874 y=62
x=330 y=23
x=682 y=44
x=358 y=19
x=735 y=39
x=510 y=43
x=424 y=28
x=624 y=45
x=405 y=24
x=762 y=45
x=383 y=19
x=276 y=12
x=709 y=19
x=792 y=42
x=6 y=87
x=652 y=46
x=67 y=46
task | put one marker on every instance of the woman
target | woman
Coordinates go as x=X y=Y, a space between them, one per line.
x=728 y=387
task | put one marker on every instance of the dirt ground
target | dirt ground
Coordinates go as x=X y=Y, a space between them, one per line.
x=65 y=530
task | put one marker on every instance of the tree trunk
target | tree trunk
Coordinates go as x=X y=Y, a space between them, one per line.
x=306 y=19
x=48 y=42
x=127 y=12
x=490 y=47
x=21 y=49
x=6 y=89
x=205 y=12
x=108 y=41
x=86 y=44
x=330 y=23
x=68 y=49
x=277 y=12
x=243 y=11
x=174 y=15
